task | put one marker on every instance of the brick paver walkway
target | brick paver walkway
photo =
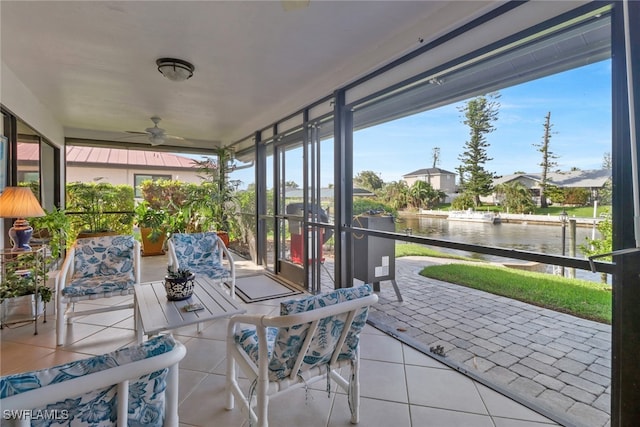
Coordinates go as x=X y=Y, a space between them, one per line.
x=557 y=364
x=553 y=362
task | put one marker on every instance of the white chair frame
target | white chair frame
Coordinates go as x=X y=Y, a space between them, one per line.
x=260 y=373
x=120 y=375
x=65 y=311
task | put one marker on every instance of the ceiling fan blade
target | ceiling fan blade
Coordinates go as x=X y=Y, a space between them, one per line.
x=174 y=137
x=155 y=134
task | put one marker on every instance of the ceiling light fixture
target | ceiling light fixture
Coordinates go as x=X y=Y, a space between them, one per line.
x=175 y=70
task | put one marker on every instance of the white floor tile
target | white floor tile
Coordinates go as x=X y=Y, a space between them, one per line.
x=445 y=389
x=373 y=412
x=383 y=380
x=203 y=355
x=414 y=357
x=381 y=347
x=434 y=417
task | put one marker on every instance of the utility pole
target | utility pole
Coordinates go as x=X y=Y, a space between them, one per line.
x=436 y=157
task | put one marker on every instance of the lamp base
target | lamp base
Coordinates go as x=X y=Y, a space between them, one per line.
x=20 y=235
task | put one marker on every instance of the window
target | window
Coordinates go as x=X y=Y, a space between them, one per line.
x=563 y=74
x=139 y=178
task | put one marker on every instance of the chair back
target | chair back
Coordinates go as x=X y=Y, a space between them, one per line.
x=193 y=250
x=319 y=330
x=134 y=386
x=104 y=256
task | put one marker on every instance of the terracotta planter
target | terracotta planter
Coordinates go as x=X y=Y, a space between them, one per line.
x=224 y=236
x=150 y=248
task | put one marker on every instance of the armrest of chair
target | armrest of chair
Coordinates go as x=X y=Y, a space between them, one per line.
x=136 y=260
x=90 y=376
x=172 y=259
x=66 y=270
x=224 y=252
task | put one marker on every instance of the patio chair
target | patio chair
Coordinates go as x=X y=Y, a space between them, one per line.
x=95 y=268
x=134 y=386
x=312 y=339
x=203 y=254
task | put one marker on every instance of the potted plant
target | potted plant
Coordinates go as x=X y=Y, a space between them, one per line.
x=100 y=208
x=54 y=230
x=22 y=277
x=153 y=225
x=179 y=283
x=224 y=204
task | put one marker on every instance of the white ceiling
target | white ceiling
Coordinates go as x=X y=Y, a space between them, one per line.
x=92 y=63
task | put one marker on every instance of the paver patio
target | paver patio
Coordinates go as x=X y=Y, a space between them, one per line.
x=552 y=362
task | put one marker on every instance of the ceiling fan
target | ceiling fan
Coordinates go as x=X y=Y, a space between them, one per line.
x=156 y=134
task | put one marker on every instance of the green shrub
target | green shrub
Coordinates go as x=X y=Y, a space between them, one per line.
x=91 y=206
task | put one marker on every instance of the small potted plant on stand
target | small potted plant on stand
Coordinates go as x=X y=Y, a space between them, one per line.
x=179 y=284
x=22 y=290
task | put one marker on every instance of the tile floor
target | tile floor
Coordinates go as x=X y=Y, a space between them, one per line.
x=399 y=385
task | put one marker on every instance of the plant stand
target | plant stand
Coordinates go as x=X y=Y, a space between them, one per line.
x=25 y=308
x=21 y=309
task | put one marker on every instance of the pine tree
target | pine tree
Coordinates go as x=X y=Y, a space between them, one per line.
x=479 y=115
x=548 y=159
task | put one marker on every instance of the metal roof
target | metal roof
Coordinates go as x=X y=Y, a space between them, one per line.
x=575 y=178
x=110 y=156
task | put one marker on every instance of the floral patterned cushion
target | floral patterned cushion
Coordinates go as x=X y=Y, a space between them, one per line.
x=99 y=408
x=95 y=285
x=216 y=272
x=103 y=256
x=102 y=265
x=283 y=344
x=248 y=340
x=199 y=253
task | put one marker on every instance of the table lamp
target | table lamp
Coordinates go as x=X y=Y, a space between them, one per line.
x=19 y=202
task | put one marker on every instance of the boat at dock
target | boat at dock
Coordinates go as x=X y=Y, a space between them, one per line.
x=474 y=216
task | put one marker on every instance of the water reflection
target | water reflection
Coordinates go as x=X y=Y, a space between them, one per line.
x=545 y=239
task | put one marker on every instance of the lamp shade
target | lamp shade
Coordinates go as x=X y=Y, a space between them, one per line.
x=19 y=202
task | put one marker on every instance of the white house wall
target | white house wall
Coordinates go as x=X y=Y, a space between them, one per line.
x=125 y=176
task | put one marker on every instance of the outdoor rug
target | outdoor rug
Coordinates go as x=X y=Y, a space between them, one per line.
x=262 y=288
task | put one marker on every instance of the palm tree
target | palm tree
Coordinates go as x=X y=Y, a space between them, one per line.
x=422 y=194
x=517 y=197
x=396 y=194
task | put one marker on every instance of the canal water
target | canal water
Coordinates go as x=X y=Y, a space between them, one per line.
x=531 y=237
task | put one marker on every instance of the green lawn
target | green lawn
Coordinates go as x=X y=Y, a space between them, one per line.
x=588 y=300
x=412 y=249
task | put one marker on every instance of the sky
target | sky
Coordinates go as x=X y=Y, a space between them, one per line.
x=579 y=101
x=580 y=104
